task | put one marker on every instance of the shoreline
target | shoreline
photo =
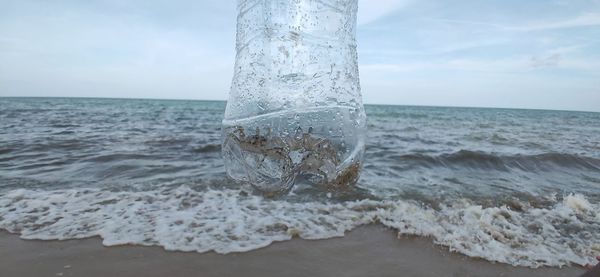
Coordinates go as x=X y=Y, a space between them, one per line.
x=372 y=250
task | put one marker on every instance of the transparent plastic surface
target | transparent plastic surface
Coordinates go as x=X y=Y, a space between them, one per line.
x=295 y=114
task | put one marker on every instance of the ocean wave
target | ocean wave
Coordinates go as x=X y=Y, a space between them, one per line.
x=208 y=148
x=114 y=157
x=6 y=150
x=230 y=220
x=482 y=160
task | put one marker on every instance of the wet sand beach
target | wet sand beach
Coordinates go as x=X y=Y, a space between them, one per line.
x=367 y=251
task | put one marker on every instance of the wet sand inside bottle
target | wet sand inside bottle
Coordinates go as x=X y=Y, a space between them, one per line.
x=300 y=158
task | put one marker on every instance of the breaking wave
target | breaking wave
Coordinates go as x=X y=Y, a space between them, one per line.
x=227 y=221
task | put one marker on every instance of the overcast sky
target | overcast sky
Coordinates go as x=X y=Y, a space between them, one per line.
x=508 y=53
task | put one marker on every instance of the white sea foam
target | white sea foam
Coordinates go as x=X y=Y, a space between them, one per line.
x=229 y=221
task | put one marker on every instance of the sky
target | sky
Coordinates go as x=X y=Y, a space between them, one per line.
x=542 y=54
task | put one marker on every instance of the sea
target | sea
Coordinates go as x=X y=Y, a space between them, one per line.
x=514 y=186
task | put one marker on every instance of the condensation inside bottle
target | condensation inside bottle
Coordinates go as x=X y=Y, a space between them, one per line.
x=295 y=115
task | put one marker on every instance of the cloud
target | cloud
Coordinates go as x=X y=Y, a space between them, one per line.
x=582 y=20
x=430 y=50
x=371 y=10
x=468 y=22
x=548 y=61
x=517 y=65
x=455 y=65
x=114 y=50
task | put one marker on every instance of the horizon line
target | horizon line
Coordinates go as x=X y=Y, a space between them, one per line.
x=367 y=104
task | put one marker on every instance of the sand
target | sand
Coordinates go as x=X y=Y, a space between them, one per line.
x=366 y=251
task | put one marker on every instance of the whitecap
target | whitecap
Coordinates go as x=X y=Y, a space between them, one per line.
x=228 y=221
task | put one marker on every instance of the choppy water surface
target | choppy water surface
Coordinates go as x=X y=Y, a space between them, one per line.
x=515 y=186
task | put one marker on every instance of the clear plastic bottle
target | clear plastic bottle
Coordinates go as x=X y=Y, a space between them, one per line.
x=295 y=114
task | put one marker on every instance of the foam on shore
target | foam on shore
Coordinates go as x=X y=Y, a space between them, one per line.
x=228 y=221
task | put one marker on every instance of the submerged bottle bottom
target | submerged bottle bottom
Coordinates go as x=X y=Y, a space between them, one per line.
x=273 y=153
